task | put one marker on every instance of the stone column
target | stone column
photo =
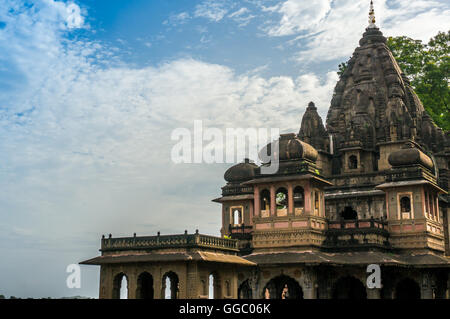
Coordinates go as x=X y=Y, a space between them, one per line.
x=257 y=211
x=132 y=285
x=447 y=292
x=374 y=293
x=426 y=291
x=272 y=200
x=307 y=201
x=192 y=280
x=290 y=199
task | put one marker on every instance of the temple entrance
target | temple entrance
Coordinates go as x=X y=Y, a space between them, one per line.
x=283 y=287
x=407 y=289
x=169 y=289
x=349 y=288
x=244 y=291
x=144 y=288
x=349 y=213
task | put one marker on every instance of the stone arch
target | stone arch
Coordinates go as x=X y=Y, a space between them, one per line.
x=214 y=287
x=283 y=285
x=118 y=286
x=281 y=198
x=170 y=285
x=349 y=287
x=245 y=291
x=405 y=204
x=349 y=213
x=407 y=288
x=352 y=162
x=265 y=199
x=144 y=289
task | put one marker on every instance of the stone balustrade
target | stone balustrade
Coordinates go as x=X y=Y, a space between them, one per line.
x=168 y=241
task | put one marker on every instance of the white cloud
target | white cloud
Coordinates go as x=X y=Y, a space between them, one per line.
x=328 y=30
x=298 y=15
x=177 y=19
x=211 y=10
x=238 y=13
x=86 y=139
x=242 y=16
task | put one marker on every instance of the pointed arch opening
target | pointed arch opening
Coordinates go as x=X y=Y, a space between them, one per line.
x=281 y=200
x=265 y=203
x=349 y=213
x=120 y=286
x=170 y=286
x=283 y=287
x=407 y=289
x=244 y=291
x=352 y=162
x=144 y=288
x=349 y=288
x=214 y=288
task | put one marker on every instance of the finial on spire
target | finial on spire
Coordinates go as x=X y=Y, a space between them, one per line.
x=371 y=16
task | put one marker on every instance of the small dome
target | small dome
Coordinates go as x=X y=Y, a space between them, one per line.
x=240 y=172
x=410 y=156
x=292 y=148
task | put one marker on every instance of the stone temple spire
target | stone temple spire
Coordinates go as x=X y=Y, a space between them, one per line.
x=371 y=17
x=373 y=102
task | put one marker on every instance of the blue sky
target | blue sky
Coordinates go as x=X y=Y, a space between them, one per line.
x=90 y=92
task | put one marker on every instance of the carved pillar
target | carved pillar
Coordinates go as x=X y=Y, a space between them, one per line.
x=307 y=190
x=374 y=293
x=447 y=292
x=309 y=285
x=272 y=200
x=253 y=282
x=437 y=208
x=257 y=201
x=132 y=285
x=426 y=289
x=290 y=199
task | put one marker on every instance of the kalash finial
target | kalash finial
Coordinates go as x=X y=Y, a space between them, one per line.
x=371 y=16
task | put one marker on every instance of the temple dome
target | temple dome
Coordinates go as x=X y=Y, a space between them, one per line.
x=240 y=172
x=292 y=148
x=410 y=156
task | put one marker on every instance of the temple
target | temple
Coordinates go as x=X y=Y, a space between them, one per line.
x=368 y=188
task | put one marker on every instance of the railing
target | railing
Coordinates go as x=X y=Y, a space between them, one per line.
x=242 y=229
x=358 y=224
x=167 y=241
x=234 y=190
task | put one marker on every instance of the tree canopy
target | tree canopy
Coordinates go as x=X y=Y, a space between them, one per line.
x=427 y=67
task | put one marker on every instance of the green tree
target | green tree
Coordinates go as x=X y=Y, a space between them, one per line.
x=428 y=68
x=341 y=68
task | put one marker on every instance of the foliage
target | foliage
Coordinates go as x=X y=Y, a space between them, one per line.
x=427 y=67
x=341 y=68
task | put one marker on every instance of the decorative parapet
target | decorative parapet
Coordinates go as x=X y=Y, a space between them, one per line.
x=357 y=233
x=168 y=241
x=357 y=224
x=236 y=189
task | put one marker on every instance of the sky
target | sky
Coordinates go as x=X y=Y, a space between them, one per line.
x=90 y=91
